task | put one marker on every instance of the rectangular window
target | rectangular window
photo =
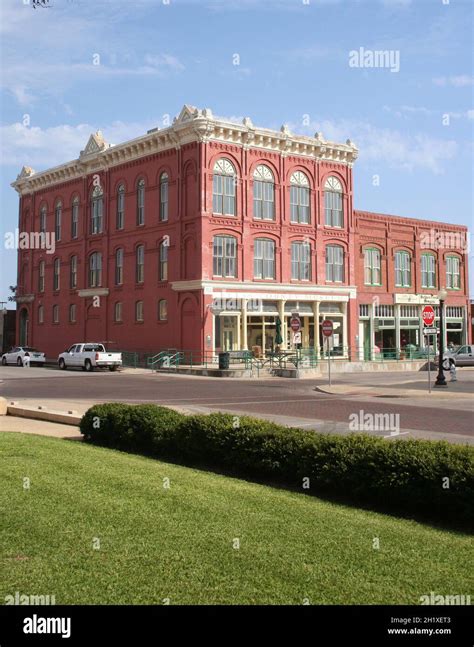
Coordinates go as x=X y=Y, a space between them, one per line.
x=263 y=200
x=333 y=208
x=334 y=264
x=119 y=267
x=72 y=313
x=56 y=314
x=428 y=271
x=42 y=226
x=141 y=204
x=453 y=276
x=163 y=310
x=402 y=269
x=73 y=273
x=225 y=256
x=163 y=262
x=97 y=212
x=139 y=311
x=57 y=223
x=164 y=201
x=74 y=220
x=118 y=312
x=140 y=272
x=56 y=274
x=41 y=276
x=120 y=209
x=372 y=274
x=299 y=204
x=264 y=259
x=300 y=261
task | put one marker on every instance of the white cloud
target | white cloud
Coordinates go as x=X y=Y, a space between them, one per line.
x=395 y=148
x=43 y=148
x=460 y=81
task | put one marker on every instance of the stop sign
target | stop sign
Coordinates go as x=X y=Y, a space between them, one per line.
x=428 y=315
x=295 y=323
x=327 y=327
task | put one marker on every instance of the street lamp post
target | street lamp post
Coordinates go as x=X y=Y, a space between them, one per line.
x=441 y=380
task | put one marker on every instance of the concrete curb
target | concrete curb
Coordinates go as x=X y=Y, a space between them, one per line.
x=44 y=413
x=345 y=389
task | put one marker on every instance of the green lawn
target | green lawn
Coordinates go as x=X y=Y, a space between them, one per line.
x=177 y=543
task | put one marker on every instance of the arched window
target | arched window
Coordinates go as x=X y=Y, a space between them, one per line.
x=58 y=212
x=73 y=273
x=299 y=198
x=55 y=314
x=95 y=270
x=453 y=273
x=224 y=257
x=119 y=267
x=334 y=263
x=118 y=311
x=223 y=188
x=164 y=197
x=75 y=218
x=264 y=259
x=372 y=266
x=263 y=193
x=402 y=269
x=41 y=270
x=141 y=202
x=120 y=216
x=300 y=260
x=139 y=311
x=163 y=310
x=40 y=314
x=56 y=273
x=428 y=271
x=97 y=210
x=333 y=203
x=163 y=260
x=42 y=223
x=140 y=264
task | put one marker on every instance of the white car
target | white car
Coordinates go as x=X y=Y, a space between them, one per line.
x=17 y=354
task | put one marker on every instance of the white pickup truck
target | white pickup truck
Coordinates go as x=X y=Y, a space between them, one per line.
x=89 y=356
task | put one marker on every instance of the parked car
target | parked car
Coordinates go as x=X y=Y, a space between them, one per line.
x=16 y=355
x=89 y=356
x=463 y=356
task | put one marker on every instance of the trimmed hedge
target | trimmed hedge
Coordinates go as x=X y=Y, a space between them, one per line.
x=402 y=476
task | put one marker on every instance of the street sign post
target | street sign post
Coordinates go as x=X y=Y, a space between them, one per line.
x=295 y=325
x=327 y=329
x=428 y=316
x=296 y=338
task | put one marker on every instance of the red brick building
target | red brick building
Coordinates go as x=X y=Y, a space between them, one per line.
x=209 y=234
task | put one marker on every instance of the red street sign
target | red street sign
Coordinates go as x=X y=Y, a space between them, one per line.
x=428 y=315
x=327 y=327
x=295 y=323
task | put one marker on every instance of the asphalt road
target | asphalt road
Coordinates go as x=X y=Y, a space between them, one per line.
x=276 y=396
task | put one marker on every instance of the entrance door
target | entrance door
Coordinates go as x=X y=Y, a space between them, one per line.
x=228 y=341
x=24 y=327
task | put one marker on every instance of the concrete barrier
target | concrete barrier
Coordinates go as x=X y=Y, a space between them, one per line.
x=3 y=407
x=43 y=413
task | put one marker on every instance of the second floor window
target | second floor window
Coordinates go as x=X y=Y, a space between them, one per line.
x=56 y=314
x=120 y=207
x=97 y=209
x=56 y=273
x=224 y=258
x=453 y=275
x=40 y=314
x=428 y=271
x=164 y=186
x=372 y=267
x=75 y=218
x=41 y=269
x=162 y=309
x=300 y=261
x=299 y=198
x=73 y=273
x=163 y=261
x=139 y=311
x=58 y=212
x=263 y=194
x=141 y=202
x=264 y=259
x=72 y=313
x=42 y=220
x=334 y=263
x=119 y=267
x=140 y=264
x=402 y=270
x=95 y=270
x=223 y=188
x=118 y=311
x=334 y=216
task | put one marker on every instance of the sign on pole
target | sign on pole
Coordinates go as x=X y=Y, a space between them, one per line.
x=327 y=329
x=295 y=323
x=296 y=338
x=428 y=316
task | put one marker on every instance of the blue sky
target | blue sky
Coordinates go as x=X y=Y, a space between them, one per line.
x=293 y=67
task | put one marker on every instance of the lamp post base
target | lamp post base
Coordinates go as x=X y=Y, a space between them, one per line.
x=441 y=382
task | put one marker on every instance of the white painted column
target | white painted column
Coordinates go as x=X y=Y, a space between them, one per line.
x=243 y=317
x=281 y=314
x=345 y=340
x=315 y=305
x=372 y=330
x=397 y=328
x=238 y=331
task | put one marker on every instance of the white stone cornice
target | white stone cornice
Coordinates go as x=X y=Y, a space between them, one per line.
x=267 y=290
x=192 y=125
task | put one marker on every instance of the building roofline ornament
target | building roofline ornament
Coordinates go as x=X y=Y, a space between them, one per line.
x=191 y=125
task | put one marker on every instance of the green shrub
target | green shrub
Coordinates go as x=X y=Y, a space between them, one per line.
x=431 y=479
